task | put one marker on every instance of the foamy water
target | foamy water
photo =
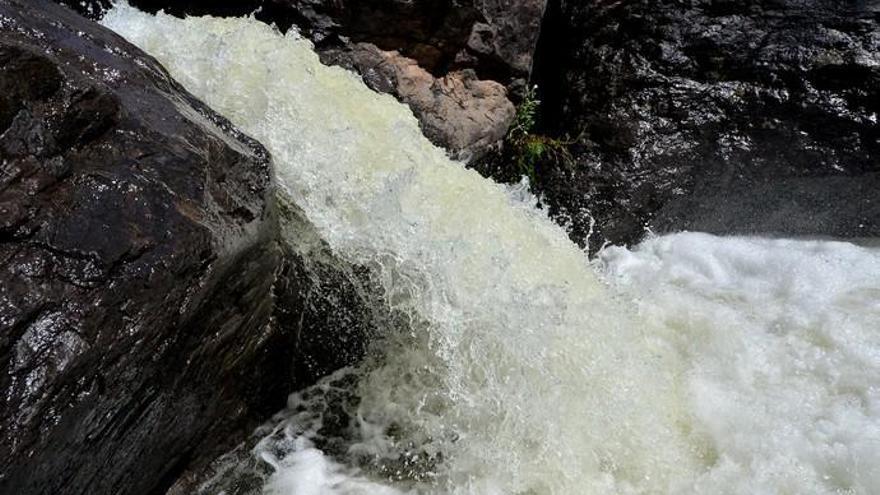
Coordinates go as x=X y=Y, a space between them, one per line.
x=782 y=341
x=691 y=364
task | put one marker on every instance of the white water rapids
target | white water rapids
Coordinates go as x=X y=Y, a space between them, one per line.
x=691 y=364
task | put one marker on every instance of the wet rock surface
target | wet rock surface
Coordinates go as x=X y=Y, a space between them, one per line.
x=137 y=255
x=336 y=312
x=330 y=306
x=714 y=115
x=495 y=38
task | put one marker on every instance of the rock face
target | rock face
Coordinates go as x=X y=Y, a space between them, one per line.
x=714 y=115
x=496 y=38
x=137 y=255
x=330 y=306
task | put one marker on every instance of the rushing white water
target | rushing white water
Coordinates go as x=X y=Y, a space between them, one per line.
x=782 y=340
x=708 y=366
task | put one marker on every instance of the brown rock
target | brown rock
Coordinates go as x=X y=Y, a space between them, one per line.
x=457 y=111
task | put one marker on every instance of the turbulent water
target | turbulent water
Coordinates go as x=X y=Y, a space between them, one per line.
x=692 y=364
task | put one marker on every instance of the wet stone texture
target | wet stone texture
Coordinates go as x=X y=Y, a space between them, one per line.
x=137 y=255
x=715 y=115
x=495 y=38
x=332 y=311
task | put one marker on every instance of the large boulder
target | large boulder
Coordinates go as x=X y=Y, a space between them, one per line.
x=715 y=115
x=137 y=257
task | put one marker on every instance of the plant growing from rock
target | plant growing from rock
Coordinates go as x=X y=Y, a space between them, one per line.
x=529 y=148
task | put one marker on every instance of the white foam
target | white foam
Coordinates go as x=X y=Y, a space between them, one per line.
x=782 y=338
x=307 y=471
x=749 y=367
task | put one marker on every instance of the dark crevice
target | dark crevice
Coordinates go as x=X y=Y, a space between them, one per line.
x=551 y=54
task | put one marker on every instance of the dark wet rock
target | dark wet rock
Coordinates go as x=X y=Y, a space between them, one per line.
x=337 y=313
x=495 y=38
x=137 y=255
x=149 y=316
x=330 y=306
x=324 y=304
x=715 y=115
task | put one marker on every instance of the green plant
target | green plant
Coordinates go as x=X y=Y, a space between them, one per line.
x=528 y=148
x=526 y=115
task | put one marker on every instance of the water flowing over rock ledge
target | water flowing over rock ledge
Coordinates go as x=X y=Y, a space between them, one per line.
x=150 y=316
x=452 y=62
x=662 y=107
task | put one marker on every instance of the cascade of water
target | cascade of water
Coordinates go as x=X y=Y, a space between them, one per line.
x=521 y=372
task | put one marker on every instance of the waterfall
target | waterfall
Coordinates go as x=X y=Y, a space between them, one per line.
x=691 y=364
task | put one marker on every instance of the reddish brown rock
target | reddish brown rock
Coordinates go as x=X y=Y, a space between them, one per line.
x=457 y=111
